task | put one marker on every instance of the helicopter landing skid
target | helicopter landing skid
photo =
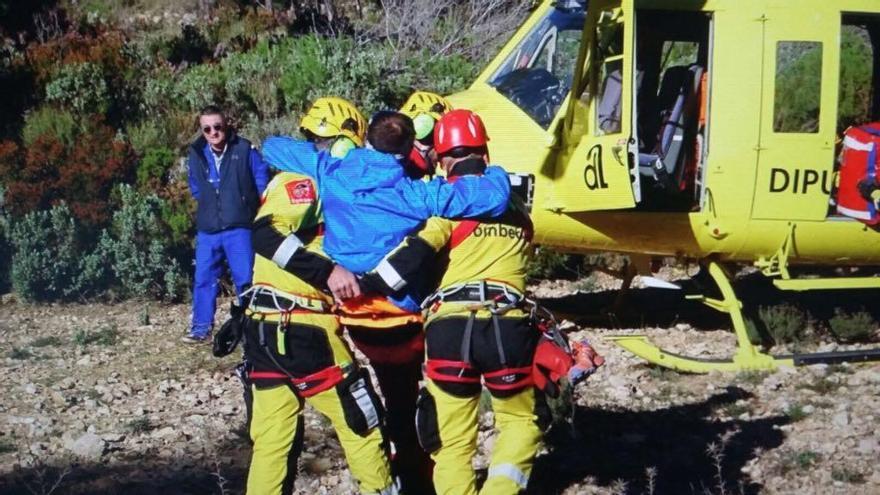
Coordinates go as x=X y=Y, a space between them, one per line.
x=748 y=357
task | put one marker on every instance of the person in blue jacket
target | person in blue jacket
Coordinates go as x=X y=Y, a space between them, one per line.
x=226 y=178
x=370 y=205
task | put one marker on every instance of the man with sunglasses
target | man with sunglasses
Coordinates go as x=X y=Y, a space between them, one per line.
x=226 y=178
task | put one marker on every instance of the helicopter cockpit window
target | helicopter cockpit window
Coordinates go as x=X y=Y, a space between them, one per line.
x=609 y=50
x=537 y=75
x=798 y=91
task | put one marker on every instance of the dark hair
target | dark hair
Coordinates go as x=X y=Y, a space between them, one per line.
x=466 y=151
x=391 y=132
x=212 y=110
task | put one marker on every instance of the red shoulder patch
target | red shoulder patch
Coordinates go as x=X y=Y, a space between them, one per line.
x=301 y=191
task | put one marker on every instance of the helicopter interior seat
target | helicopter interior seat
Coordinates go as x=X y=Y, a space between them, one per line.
x=679 y=104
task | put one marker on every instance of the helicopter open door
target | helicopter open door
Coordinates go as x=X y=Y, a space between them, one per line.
x=599 y=169
x=798 y=127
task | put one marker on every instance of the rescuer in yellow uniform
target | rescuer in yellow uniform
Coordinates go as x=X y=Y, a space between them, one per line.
x=292 y=339
x=475 y=328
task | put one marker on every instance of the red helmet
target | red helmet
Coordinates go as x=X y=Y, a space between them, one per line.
x=458 y=128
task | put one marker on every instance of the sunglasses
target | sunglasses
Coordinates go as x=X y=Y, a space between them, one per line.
x=216 y=127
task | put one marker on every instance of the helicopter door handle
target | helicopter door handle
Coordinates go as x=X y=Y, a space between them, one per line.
x=616 y=151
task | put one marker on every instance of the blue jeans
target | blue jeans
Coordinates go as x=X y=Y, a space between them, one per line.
x=233 y=245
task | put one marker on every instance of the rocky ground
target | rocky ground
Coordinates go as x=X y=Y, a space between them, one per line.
x=103 y=399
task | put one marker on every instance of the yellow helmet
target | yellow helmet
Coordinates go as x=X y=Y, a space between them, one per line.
x=332 y=116
x=425 y=108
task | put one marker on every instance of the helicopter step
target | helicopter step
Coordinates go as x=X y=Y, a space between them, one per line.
x=748 y=357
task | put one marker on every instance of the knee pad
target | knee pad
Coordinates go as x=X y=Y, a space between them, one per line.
x=360 y=404
x=427 y=425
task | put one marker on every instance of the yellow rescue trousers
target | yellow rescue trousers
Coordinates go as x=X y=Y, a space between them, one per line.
x=464 y=353
x=306 y=361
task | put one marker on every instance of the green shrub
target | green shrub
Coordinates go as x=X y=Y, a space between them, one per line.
x=802 y=460
x=785 y=323
x=200 y=86
x=80 y=88
x=796 y=413
x=852 y=327
x=46 y=120
x=313 y=66
x=546 y=263
x=444 y=75
x=154 y=166
x=19 y=354
x=158 y=94
x=148 y=135
x=105 y=336
x=846 y=474
x=137 y=249
x=250 y=82
x=48 y=256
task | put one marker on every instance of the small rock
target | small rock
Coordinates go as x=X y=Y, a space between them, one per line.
x=840 y=419
x=30 y=388
x=809 y=409
x=868 y=446
x=84 y=361
x=88 y=446
x=164 y=432
x=318 y=465
x=818 y=369
x=829 y=347
x=616 y=381
x=227 y=410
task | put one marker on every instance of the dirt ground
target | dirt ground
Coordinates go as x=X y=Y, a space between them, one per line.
x=104 y=399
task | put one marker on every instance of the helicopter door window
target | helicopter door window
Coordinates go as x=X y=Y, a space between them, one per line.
x=537 y=75
x=609 y=49
x=859 y=100
x=609 y=108
x=798 y=87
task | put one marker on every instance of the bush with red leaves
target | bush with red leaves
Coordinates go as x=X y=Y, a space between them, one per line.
x=82 y=175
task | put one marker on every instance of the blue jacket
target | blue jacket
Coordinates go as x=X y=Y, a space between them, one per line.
x=369 y=204
x=231 y=198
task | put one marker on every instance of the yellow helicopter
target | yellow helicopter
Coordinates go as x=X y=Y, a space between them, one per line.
x=701 y=129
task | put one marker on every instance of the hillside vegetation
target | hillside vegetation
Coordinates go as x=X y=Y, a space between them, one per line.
x=100 y=98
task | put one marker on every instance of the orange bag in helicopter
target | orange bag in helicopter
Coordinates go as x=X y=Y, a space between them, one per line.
x=858 y=173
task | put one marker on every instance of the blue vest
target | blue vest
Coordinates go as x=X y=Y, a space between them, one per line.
x=234 y=200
